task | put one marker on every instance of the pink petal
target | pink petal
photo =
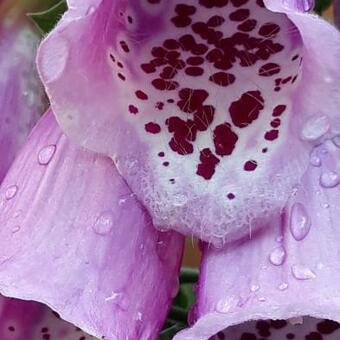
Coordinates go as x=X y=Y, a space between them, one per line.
x=21 y=95
x=291 y=270
x=27 y=320
x=75 y=238
x=213 y=144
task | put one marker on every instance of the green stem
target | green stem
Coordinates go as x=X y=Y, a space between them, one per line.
x=178 y=314
x=188 y=275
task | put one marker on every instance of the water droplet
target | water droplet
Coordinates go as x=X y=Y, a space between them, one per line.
x=336 y=141
x=139 y=316
x=283 y=286
x=277 y=256
x=46 y=154
x=301 y=272
x=329 y=179
x=299 y=222
x=315 y=127
x=314 y=158
x=11 y=192
x=262 y=299
x=113 y=296
x=223 y=306
x=16 y=229
x=104 y=223
x=279 y=239
x=122 y=201
x=254 y=288
x=325 y=205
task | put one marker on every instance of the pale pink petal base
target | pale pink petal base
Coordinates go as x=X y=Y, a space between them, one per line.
x=75 y=238
x=289 y=270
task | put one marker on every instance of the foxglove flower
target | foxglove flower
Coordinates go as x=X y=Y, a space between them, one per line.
x=21 y=93
x=208 y=108
x=75 y=238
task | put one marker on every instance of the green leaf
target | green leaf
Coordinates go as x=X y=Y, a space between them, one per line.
x=169 y=333
x=321 y=6
x=46 y=20
x=188 y=275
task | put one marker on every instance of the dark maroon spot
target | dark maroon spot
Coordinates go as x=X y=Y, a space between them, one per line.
x=278 y=324
x=182 y=147
x=185 y=10
x=158 y=62
x=264 y=150
x=133 y=109
x=263 y=328
x=222 y=78
x=203 y=117
x=112 y=57
x=327 y=326
x=158 y=52
x=180 y=21
x=199 y=49
x=286 y=80
x=191 y=100
x=130 y=19
x=159 y=105
x=119 y=64
x=224 y=139
x=314 y=336
x=215 y=21
x=46 y=337
x=124 y=46
x=271 y=135
x=170 y=101
x=295 y=57
x=275 y=123
x=250 y=165
x=161 y=154
x=238 y=3
x=121 y=76
x=152 y=128
x=187 y=42
x=148 y=68
x=260 y=3
x=277 y=89
x=194 y=71
x=206 y=168
x=44 y=330
x=168 y=72
x=294 y=79
x=11 y=328
x=195 y=61
x=166 y=163
x=162 y=84
x=269 y=69
x=141 y=95
x=248 y=336
x=172 y=55
x=172 y=180
x=231 y=196
x=278 y=110
x=247 y=25
x=246 y=109
x=153 y=2
x=239 y=15
x=290 y=336
x=269 y=30
x=213 y=3
x=171 y=44
x=221 y=335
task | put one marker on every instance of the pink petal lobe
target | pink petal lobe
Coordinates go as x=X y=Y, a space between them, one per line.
x=75 y=238
x=287 y=272
x=21 y=94
x=208 y=108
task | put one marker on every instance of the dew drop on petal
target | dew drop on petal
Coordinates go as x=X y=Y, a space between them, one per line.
x=283 y=286
x=300 y=222
x=329 y=179
x=336 y=141
x=16 y=229
x=11 y=192
x=277 y=256
x=104 y=223
x=301 y=272
x=46 y=154
x=314 y=158
x=254 y=288
x=315 y=127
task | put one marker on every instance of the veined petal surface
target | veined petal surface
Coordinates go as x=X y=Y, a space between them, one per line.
x=75 y=238
x=286 y=272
